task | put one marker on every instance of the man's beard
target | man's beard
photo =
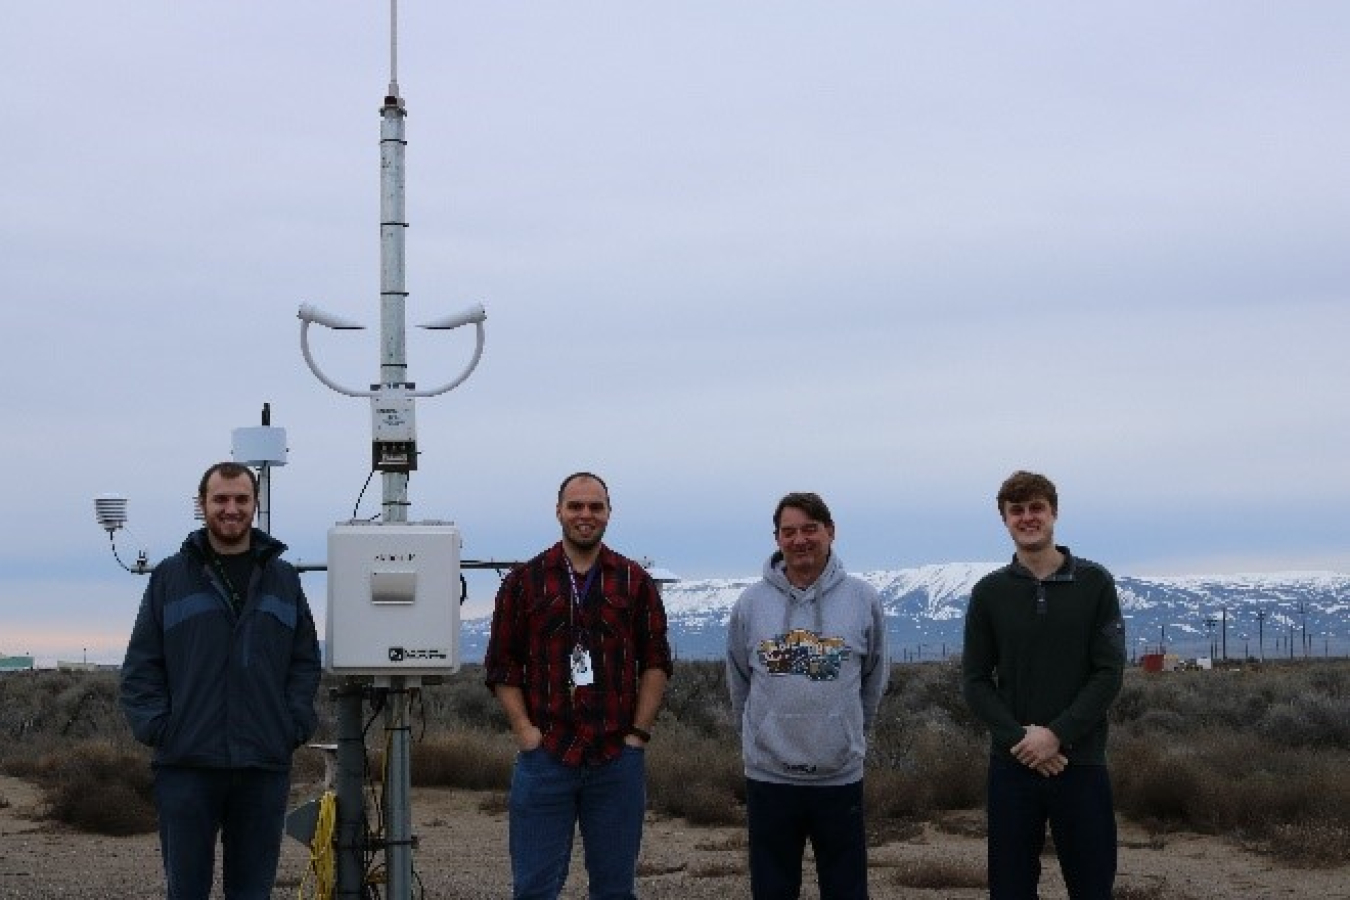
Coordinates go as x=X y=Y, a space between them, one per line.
x=582 y=542
x=229 y=534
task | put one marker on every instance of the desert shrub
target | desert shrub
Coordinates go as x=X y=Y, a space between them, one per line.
x=1165 y=721
x=1311 y=720
x=940 y=874
x=697 y=698
x=1152 y=787
x=918 y=767
x=98 y=787
x=1159 y=891
x=1292 y=705
x=40 y=710
x=470 y=759
x=931 y=691
x=1182 y=702
x=462 y=700
x=696 y=777
x=1329 y=680
x=717 y=868
x=1218 y=782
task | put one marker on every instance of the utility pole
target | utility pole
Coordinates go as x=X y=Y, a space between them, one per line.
x=1224 y=611
x=1303 y=613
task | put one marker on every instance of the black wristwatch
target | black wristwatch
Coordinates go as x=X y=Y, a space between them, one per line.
x=641 y=733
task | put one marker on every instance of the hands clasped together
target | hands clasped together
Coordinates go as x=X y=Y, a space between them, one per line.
x=1039 y=750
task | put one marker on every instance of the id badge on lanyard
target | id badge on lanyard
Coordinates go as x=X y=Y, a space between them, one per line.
x=583 y=673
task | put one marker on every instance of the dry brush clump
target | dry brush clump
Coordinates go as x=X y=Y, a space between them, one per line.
x=95 y=786
x=44 y=708
x=926 y=753
x=939 y=874
x=1257 y=754
x=695 y=776
x=470 y=759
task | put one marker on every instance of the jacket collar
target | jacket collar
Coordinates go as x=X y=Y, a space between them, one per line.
x=1065 y=572
x=262 y=545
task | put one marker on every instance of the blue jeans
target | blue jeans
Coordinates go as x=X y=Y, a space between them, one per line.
x=1077 y=804
x=246 y=808
x=549 y=800
x=782 y=817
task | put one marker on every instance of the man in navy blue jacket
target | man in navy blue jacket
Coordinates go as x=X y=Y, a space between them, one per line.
x=220 y=678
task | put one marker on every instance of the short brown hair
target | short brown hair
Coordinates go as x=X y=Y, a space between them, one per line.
x=810 y=504
x=1020 y=487
x=576 y=475
x=227 y=471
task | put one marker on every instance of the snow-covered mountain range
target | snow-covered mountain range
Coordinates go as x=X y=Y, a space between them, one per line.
x=1261 y=614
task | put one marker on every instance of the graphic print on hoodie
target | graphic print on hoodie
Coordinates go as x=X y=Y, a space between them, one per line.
x=803 y=652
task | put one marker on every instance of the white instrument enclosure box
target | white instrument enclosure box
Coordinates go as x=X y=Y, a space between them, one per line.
x=393 y=598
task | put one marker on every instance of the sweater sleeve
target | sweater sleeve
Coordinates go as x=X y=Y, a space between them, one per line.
x=979 y=661
x=876 y=667
x=1107 y=660
x=738 y=663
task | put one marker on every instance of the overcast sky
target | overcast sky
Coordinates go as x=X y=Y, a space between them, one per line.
x=886 y=251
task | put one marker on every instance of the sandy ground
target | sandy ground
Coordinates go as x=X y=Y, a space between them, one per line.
x=462 y=854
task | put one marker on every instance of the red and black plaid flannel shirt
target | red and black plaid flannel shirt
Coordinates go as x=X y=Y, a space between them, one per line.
x=535 y=626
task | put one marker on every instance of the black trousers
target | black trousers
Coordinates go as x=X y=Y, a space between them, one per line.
x=783 y=817
x=1077 y=805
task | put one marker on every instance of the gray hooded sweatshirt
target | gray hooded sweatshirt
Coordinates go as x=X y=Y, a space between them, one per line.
x=806 y=668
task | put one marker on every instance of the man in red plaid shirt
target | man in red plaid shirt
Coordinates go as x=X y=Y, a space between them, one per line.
x=579 y=660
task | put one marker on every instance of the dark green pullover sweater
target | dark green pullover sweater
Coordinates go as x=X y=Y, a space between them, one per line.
x=1046 y=653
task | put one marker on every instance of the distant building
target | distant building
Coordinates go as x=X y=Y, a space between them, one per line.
x=15 y=663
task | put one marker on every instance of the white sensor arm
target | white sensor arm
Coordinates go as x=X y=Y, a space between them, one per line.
x=475 y=315
x=310 y=314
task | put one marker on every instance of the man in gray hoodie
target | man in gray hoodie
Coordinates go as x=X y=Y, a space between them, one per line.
x=806 y=667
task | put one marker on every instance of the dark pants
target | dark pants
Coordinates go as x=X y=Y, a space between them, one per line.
x=246 y=808
x=783 y=817
x=1077 y=804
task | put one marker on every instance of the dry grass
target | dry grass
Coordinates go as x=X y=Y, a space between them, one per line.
x=471 y=759
x=717 y=868
x=98 y=787
x=937 y=874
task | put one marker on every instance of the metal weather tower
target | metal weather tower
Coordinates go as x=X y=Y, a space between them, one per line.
x=393 y=587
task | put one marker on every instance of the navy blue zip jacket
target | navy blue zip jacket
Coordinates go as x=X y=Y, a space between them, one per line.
x=206 y=687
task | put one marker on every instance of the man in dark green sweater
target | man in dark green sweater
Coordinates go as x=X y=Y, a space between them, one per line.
x=1043 y=660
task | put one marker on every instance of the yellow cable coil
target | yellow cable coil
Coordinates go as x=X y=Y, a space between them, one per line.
x=322 y=864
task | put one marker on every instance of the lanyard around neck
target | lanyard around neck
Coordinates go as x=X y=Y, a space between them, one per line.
x=236 y=601
x=579 y=593
x=578 y=597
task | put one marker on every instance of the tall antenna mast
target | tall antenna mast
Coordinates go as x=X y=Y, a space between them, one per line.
x=393 y=293
x=393 y=48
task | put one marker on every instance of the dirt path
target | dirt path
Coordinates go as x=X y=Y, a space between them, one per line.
x=462 y=854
